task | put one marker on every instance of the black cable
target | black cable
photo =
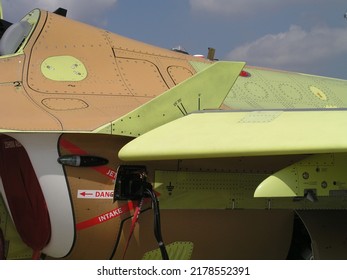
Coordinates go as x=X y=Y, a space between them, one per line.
x=157 y=225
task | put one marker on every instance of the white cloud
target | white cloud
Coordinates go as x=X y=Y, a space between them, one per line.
x=87 y=11
x=295 y=49
x=234 y=7
x=241 y=8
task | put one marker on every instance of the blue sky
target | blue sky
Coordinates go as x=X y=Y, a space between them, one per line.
x=307 y=36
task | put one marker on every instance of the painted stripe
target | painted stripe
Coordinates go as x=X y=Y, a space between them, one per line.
x=115 y=213
x=72 y=148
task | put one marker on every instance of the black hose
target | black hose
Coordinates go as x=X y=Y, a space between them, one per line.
x=157 y=225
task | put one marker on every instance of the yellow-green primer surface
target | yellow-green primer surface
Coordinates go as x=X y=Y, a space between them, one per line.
x=205 y=90
x=176 y=251
x=322 y=174
x=63 y=68
x=231 y=134
x=1 y=13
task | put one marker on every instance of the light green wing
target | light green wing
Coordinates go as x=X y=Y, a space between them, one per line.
x=243 y=133
x=269 y=89
x=205 y=90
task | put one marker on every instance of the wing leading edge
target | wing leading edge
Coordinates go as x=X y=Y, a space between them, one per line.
x=243 y=133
